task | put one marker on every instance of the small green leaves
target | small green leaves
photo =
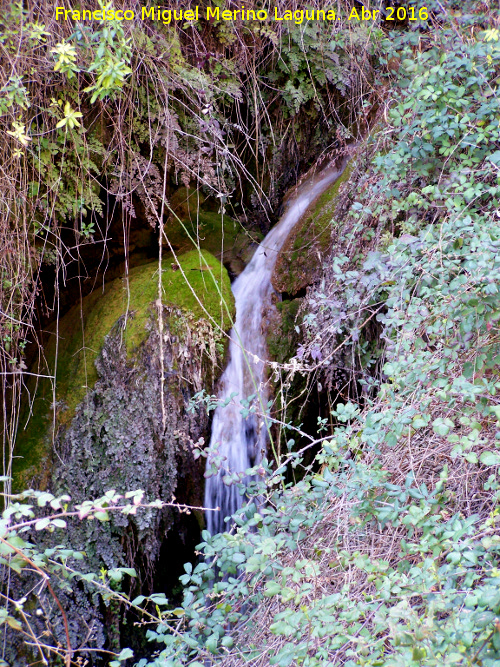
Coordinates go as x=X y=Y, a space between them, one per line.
x=117 y=573
x=43 y=523
x=419 y=421
x=491 y=35
x=65 y=55
x=273 y=588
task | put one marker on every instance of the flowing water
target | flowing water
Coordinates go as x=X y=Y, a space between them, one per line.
x=241 y=442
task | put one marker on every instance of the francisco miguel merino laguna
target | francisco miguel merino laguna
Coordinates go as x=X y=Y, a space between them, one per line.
x=209 y=13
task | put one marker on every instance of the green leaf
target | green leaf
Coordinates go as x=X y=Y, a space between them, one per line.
x=272 y=588
x=468 y=370
x=418 y=653
x=490 y=458
x=494 y=157
x=418 y=422
x=159 y=599
x=442 y=426
x=44 y=498
x=484 y=618
x=42 y=523
x=238 y=558
x=138 y=600
x=125 y=654
x=211 y=643
x=129 y=570
x=13 y=623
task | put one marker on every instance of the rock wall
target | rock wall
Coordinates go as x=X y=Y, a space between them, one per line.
x=116 y=423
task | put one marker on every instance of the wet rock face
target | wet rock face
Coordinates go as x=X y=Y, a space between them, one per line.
x=122 y=423
x=300 y=260
x=117 y=441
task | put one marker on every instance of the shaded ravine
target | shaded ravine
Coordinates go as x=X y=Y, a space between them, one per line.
x=238 y=442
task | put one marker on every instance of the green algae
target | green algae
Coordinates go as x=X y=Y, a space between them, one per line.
x=196 y=282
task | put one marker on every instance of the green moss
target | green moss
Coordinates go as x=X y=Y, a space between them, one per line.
x=197 y=283
x=185 y=202
x=212 y=231
x=300 y=258
x=324 y=207
x=189 y=227
x=202 y=286
x=282 y=340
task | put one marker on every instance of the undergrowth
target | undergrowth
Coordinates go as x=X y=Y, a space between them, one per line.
x=387 y=552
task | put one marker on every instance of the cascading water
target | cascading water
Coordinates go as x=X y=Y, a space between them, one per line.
x=241 y=442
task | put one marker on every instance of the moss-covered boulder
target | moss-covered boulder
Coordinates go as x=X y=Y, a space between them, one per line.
x=310 y=240
x=196 y=283
x=191 y=224
x=120 y=417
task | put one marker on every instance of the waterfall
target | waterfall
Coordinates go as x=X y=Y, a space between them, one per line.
x=242 y=442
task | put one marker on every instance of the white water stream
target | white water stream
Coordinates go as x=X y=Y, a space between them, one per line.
x=242 y=442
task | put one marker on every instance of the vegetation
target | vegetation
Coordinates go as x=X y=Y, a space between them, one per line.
x=102 y=125
x=374 y=541
x=387 y=551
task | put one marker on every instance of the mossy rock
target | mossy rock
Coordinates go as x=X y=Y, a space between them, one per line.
x=197 y=283
x=307 y=244
x=189 y=227
x=185 y=203
x=282 y=339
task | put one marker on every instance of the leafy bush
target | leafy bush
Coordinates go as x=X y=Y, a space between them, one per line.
x=36 y=577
